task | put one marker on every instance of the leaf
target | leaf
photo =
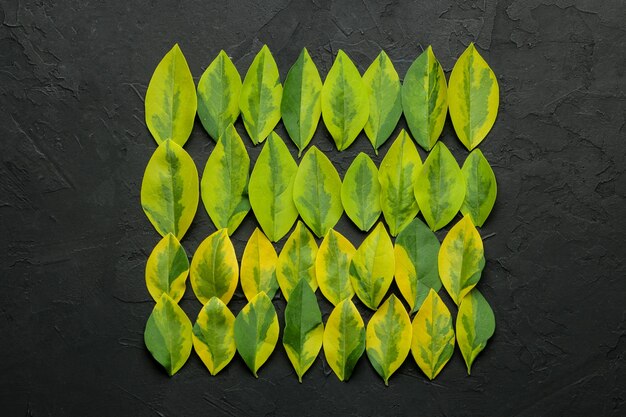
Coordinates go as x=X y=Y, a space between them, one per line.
x=481 y=187
x=433 y=335
x=416 y=252
x=304 y=330
x=385 y=103
x=214 y=269
x=440 y=187
x=214 y=335
x=301 y=103
x=297 y=260
x=461 y=259
x=224 y=183
x=397 y=174
x=344 y=339
x=425 y=99
x=360 y=192
x=168 y=334
x=167 y=269
x=317 y=192
x=169 y=191
x=475 y=324
x=388 y=338
x=218 y=96
x=345 y=103
x=271 y=189
x=372 y=267
x=171 y=99
x=474 y=96
x=260 y=98
x=332 y=267
x=256 y=331
x=258 y=266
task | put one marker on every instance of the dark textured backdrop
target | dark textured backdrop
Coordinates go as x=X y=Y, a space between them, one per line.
x=74 y=239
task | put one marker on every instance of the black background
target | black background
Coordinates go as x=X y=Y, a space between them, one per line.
x=74 y=239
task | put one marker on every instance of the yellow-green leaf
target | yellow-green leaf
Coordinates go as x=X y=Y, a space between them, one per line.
x=297 y=260
x=224 y=183
x=344 y=339
x=473 y=97
x=385 y=103
x=260 y=98
x=218 y=96
x=425 y=99
x=360 y=192
x=433 y=335
x=271 y=189
x=256 y=331
x=169 y=191
x=171 y=99
x=461 y=259
x=372 y=267
x=475 y=324
x=304 y=330
x=214 y=268
x=167 y=269
x=416 y=252
x=258 y=266
x=388 y=337
x=397 y=175
x=168 y=334
x=301 y=105
x=332 y=267
x=481 y=187
x=440 y=187
x=345 y=102
x=317 y=192
x=214 y=335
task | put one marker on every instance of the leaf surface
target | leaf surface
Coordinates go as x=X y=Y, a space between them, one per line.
x=296 y=261
x=481 y=187
x=332 y=267
x=167 y=269
x=214 y=335
x=344 y=339
x=360 y=192
x=475 y=324
x=258 y=266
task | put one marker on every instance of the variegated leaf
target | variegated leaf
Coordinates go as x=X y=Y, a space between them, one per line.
x=344 y=339
x=297 y=260
x=258 y=266
x=214 y=335
x=332 y=267
x=481 y=187
x=167 y=269
x=360 y=192
x=475 y=324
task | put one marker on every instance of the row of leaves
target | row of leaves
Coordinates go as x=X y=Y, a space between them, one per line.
x=420 y=266
x=347 y=102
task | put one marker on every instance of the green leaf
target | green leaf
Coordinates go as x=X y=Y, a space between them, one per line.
x=258 y=266
x=214 y=335
x=214 y=269
x=385 y=103
x=224 y=183
x=416 y=252
x=256 y=331
x=480 y=194
x=461 y=259
x=360 y=192
x=388 y=338
x=168 y=334
x=301 y=105
x=296 y=261
x=440 y=187
x=372 y=267
x=317 y=192
x=425 y=99
x=332 y=267
x=260 y=98
x=433 y=335
x=474 y=96
x=397 y=175
x=218 y=96
x=345 y=103
x=304 y=330
x=169 y=191
x=344 y=339
x=167 y=269
x=271 y=189
x=475 y=324
x=171 y=99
